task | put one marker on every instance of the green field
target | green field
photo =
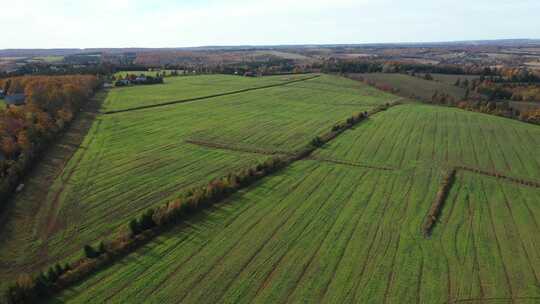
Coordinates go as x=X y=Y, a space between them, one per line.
x=413 y=86
x=179 y=88
x=332 y=228
x=333 y=233
x=133 y=160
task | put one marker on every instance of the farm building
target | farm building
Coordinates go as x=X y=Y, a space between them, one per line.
x=15 y=99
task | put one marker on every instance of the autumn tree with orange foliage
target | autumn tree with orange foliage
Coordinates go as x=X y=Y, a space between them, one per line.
x=51 y=104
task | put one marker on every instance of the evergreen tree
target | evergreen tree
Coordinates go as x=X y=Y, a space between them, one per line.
x=90 y=252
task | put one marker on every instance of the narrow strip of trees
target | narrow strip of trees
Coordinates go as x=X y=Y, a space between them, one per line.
x=438 y=204
x=155 y=221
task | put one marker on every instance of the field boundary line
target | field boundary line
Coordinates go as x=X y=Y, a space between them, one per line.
x=442 y=195
x=168 y=103
x=490 y=299
x=520 y=181
x=255 y=150
x=350 y=163
x=237 y=148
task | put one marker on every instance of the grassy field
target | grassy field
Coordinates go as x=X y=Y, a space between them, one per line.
x=413 y=86
x=435 y=136
x=179 y=88
x=333 y=233
x=134 y=160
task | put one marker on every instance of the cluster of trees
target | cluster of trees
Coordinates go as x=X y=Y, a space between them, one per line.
x=50 y=103
x=45 y=69
x=499 y=108
x=530 y=116
x=372 y=66
x=516 y=92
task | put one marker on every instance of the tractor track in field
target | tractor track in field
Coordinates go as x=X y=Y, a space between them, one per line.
x=349 y=238
x=519 y=135
x=172 y=273
x=368 y=261
x=395 y=142
x=168 y=103
x=433 y=149
x=498 y=146
x=444 y=251
x=227 y=224
x=391 y=274
x=507 y=203
x=254 y=255
x=406 y=145
x=349 y=163
x=473 y=300
x=154 y=196
x=272 y=235
x=317 y=250
x=476 y=263
x=497 y=242
x=380 y=144
x=51 y=216
x=268 y=277
x=421 y=140
x=237 y=148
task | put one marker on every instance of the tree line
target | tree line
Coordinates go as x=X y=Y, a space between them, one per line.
x=51 y=102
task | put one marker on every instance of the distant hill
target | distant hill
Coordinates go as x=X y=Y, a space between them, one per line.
x=73 y=51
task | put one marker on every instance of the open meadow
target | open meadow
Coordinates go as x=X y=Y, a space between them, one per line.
x=131 y=161
x=345 y=225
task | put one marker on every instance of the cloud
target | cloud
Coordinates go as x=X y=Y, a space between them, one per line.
x=169 y=23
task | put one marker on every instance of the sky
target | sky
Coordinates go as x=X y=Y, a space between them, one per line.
x=168 y=23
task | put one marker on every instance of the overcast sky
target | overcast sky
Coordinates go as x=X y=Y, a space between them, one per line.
x=169 y=23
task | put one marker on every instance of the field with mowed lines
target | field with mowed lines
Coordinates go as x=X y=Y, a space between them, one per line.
x=187 y=87
x=131 y=161
x=345 y=225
